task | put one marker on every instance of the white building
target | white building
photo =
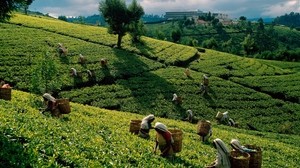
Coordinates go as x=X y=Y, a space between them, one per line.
x=190 y=14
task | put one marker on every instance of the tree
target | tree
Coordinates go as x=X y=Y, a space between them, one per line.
x=243 y=18
x=242 y=22
x=116 y=15
x=248 y=44
x=210 y=43
x=159 y=35
x=44 y=76
x=26 y=5
x=176 y=35
x=249 y=28
x=136 y=26
x=7 y=7
x=63 y=18
x=214 y=22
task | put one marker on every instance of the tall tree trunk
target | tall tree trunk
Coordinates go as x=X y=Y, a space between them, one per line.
x=26 y=9
x=119 y=40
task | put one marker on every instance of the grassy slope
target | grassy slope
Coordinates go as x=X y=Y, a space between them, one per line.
x=163 y=51
x=146 y=86
x=93 y=137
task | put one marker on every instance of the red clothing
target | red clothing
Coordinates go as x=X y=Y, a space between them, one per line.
x=167 y=136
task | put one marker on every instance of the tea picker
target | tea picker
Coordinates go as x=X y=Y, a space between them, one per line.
x=146 y=126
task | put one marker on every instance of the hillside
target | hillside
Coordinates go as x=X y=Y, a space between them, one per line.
x=274 y=42
x=141 y=78
x=94 y=137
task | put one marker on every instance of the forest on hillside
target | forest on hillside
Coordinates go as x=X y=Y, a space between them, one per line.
x=291 y=20
x=245 y=38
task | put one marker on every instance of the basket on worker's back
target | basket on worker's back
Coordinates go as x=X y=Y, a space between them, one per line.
x=64 y=106
x=135 y=126
x=177 y=137
x=255 y=157
x=5 y=93
x=203 y=127
x=239 y=160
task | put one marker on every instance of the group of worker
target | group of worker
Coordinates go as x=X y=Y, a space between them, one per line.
x=164 y=141
x=164 y=138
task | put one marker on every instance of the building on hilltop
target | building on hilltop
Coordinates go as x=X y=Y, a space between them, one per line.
x=182 y=15
x=193 y=14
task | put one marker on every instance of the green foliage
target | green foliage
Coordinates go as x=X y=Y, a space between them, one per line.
x=122 y=19
x=136 y=30
x=63 y=18
x=249 y=45
x=45 y=76
x=102 y=139
x=290 y=20
x=7 y=7
x=25 y=4
x=268 y=38
x=176 y=35
x=210 y=43
x=139 y=77
x=115 y=13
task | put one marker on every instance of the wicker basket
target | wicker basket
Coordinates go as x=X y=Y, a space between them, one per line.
x=203 y=127
x=239 y=160
x=64 y=106
x=5 y=93
x=177 y=137
x=135 y=126
x=255 y=157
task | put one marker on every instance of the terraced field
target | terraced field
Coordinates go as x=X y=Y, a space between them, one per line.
x=93 y=137
x=141 y=78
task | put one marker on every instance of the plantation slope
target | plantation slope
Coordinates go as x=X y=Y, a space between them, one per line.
x=281 y=78
x=20 y=56
x=134 y=83
x=166 y=52
x=282 y=87
x=294 y=66
x=226 y=65
x=152 y=93
x=93 y=137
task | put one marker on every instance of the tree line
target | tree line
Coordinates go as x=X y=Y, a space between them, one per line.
x=291 y=20
x=244 y=37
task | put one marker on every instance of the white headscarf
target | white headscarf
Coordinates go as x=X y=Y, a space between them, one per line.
x=80 y=55
x=49 y=97
x=149 y=117
x=190 y=112
x=223 y=154
x=174 y=97
x=161 y=126
x=205 y=77
x=89 y=72
x=237 y=146
x=144 y=124
x=74 y=71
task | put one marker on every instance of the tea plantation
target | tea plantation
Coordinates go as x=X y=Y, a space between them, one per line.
x=139 y=78
x=94 y=137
